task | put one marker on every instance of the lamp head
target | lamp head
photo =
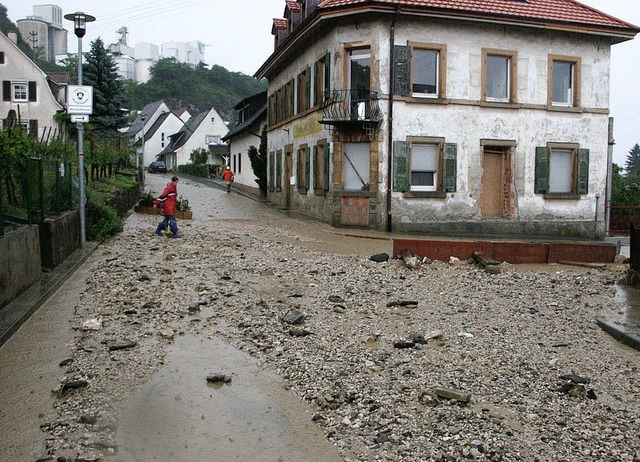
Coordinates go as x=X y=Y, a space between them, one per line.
x=80 y=21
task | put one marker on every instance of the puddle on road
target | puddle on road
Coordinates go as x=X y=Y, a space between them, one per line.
x=180 y=417
x=627 y=301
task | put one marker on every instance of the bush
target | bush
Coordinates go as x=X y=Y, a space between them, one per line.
x=107 y=224
x=146 y=200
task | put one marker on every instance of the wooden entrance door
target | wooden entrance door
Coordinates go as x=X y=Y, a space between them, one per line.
x=492 y=194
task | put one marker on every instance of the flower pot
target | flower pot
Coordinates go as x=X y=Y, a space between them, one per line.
x=180 y=214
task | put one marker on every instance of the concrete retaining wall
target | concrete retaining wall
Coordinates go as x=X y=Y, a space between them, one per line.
x=59 y=238
x=19 y=262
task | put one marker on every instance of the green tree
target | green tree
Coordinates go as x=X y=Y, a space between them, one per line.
x=633 y=160
x=199 y=156
x=100 y=72
x=258 y=158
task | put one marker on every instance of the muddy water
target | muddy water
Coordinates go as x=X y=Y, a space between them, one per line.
x=627 y=308
x=178 y=416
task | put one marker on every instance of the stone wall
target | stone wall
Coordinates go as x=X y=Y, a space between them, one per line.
x=19 y=262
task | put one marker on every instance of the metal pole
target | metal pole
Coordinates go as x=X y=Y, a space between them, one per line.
x=80 y=127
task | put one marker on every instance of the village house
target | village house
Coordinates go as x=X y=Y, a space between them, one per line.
x=443 y=117
x=202 y=131
x=252 y=116
x=157 y=122
x=29 y=96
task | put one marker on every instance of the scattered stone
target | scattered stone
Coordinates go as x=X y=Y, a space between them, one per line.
x=493 y=269
x=92 y=324
x=293 y=317
x=401 y=344
x=379 y=257
x=452 y=394
x=404 y=303
x=72 y=385
x=125 y=345
x=219 y=378
x=299 y=332
x=455 y=261
x=336 y=299
x=89 y=419
x=66 y=362
x=167 y=334
x=575 y=378
x=151 y=305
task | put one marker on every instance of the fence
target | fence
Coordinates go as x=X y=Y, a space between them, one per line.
x=621 y=217
x=40 y=189
x=634 y=248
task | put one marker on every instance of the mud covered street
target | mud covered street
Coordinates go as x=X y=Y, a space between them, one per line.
x=325 y=354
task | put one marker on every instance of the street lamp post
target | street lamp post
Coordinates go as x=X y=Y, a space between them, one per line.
x=80 y=21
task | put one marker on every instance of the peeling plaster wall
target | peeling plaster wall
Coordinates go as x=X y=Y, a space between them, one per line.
x=462 y=119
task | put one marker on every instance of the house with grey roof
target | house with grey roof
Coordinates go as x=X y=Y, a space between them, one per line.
x=443 y=116
x=201 y=131
x=252 y=116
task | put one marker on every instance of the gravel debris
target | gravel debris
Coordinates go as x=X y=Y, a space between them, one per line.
x=442 y=362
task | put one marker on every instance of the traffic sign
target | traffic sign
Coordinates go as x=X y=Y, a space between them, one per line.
x=80 y=99
x=79 y=118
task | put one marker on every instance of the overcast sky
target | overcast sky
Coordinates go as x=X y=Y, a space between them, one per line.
x=238 y=37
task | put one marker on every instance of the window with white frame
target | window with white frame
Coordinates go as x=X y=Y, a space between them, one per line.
x=19 y=91
x=564 y=78
x=425 y=68
x=499 y=75
x=424 y=166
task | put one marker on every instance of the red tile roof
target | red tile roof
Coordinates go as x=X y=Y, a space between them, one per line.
x=564 y=11
x=293 y=5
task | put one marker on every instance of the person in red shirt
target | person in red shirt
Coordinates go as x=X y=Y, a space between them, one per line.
x=167 y=202
x=227 y=176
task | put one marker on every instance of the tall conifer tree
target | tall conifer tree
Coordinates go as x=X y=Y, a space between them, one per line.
x=100 y=72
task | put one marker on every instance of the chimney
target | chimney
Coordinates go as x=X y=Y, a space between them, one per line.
x=13 y=37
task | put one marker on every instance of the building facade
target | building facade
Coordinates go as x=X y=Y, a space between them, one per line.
x=29 y=97
x=444 y=117
x=44 y=31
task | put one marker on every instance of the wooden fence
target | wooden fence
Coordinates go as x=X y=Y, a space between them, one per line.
x=621 y=217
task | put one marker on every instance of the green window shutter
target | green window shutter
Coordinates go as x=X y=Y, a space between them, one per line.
x=283 y=103
x=315 y=166
x=299 y=93
x=292 y=97
x=308 y=89
x=402 y=68
x=327 y=76
x=542 y=170
x=583 y=171
x=307 y=167
x=400 y=166
x=6 y=90
x=316 y=83
x=279 y=170
x=450 y=167
x=325 y=174
x=32 y=91
x=272 y=170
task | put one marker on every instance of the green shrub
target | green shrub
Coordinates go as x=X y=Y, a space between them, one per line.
x=107 y=224
x=146 y=200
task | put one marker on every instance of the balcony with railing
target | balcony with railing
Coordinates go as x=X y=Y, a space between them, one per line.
x=344 y=107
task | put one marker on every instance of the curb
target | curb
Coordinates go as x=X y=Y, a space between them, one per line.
x=619 y=333
x=19 y=310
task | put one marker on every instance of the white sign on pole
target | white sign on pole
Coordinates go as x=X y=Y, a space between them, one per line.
x=80 y=99
x=79 y=118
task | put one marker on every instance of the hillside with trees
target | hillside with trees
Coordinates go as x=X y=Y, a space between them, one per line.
x=197 y=89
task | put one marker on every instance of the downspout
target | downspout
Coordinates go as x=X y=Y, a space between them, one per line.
x=607 y=196
x=392 y=33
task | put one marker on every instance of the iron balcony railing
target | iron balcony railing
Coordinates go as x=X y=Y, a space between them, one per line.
x=351 y=106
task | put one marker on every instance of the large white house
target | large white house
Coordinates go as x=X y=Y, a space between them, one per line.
x=28 y=95
x=448 y=116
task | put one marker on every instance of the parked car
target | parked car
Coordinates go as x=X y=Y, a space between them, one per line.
x=157 y=167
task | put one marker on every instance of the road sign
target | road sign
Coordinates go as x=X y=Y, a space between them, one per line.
x=79 y=118
x=80 y=99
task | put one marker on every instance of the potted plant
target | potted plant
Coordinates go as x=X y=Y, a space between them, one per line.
x=145 y=206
